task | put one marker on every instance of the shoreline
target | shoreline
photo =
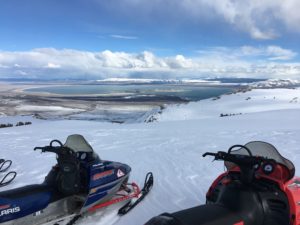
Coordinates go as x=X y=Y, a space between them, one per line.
x=14 y=101
x=119 y=107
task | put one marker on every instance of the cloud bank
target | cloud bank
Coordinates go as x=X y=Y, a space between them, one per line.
x=262 y=20
x=245 y=61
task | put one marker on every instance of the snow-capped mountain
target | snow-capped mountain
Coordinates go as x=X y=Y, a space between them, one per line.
x=275 y=83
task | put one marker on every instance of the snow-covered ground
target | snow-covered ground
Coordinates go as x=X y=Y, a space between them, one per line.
x=255 y=101
x=171 y=148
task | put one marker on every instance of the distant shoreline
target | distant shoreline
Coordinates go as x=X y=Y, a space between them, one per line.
x=15 y=100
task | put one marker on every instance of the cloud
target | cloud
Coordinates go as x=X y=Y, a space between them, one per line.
x=20 y=72
x=52 y=66
x=272 y=52
x=123 y=37
x=262 y=20
x=253 y=17
x=245 y=61
x=278 y=53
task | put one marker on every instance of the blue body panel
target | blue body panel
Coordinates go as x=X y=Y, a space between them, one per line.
x=16 y=208
x=103 y=177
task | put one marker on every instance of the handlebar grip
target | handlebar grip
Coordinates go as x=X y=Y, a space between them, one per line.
x=45 y=149
x=209 y=153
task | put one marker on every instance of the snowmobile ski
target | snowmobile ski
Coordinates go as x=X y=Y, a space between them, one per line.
x=145 y=190
x=4 y=165
x=8 y=178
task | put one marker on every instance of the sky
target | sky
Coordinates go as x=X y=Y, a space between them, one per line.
x=165 y=39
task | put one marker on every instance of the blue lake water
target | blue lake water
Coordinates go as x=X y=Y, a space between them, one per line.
x=187 y=92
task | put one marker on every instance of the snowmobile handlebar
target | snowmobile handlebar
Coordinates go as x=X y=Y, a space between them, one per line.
x=48 y=149
x=240 y=160
x=58 y=149
x=247 y=164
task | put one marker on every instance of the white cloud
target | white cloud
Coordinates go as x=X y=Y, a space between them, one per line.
x=52 y=66
x=20 y=72
x=254 y=17
x=245 y=61
x=261 y=19
x=278 y=53
x=123 y=37
x=272 y=52
x=3 y=66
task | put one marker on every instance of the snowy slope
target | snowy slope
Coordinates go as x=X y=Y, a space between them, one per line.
x=275 y=83
x=171 y=148
x=257 y=100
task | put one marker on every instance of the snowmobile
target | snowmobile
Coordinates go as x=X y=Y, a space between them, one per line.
x=258 y=188
x=78 y=184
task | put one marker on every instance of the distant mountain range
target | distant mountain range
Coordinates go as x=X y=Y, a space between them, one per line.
x=273 y=83
x=252 y=82
x=214 y=81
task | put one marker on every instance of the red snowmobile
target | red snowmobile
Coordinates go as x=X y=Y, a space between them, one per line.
x=258 y=188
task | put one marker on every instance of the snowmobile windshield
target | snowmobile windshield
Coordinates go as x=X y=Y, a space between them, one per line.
x=77 y=143
x=264 y=149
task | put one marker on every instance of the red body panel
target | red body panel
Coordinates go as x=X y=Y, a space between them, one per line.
x=292 y=190
x=280 y=175
x=239 y=223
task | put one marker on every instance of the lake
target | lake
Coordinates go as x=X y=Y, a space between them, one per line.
x=186 y=92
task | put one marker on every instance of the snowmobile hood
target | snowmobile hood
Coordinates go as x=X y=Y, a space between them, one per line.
x=264 y=149
x=77 y=143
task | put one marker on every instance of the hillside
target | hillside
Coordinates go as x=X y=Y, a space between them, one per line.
x=171 y=148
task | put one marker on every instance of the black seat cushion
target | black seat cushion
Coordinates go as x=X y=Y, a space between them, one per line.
x=213 y=214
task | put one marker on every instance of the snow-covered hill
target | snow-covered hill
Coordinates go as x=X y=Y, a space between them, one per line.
x=275 y=83
x=255 y=101
x=171 y=147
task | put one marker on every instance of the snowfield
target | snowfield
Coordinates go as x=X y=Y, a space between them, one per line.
x=171 y=148
x=255 y=101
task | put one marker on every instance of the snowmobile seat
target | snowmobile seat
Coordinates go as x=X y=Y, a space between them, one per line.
x=212 y=214
x=25 y=191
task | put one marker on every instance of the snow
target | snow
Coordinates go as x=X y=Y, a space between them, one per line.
x=31 y=108
x=272 y=83
x=171 y=148
x=255 y=101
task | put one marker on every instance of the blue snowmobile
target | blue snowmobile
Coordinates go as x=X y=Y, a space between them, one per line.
x=79 y=183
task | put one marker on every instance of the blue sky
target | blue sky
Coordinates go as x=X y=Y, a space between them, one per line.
x=155 y=39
